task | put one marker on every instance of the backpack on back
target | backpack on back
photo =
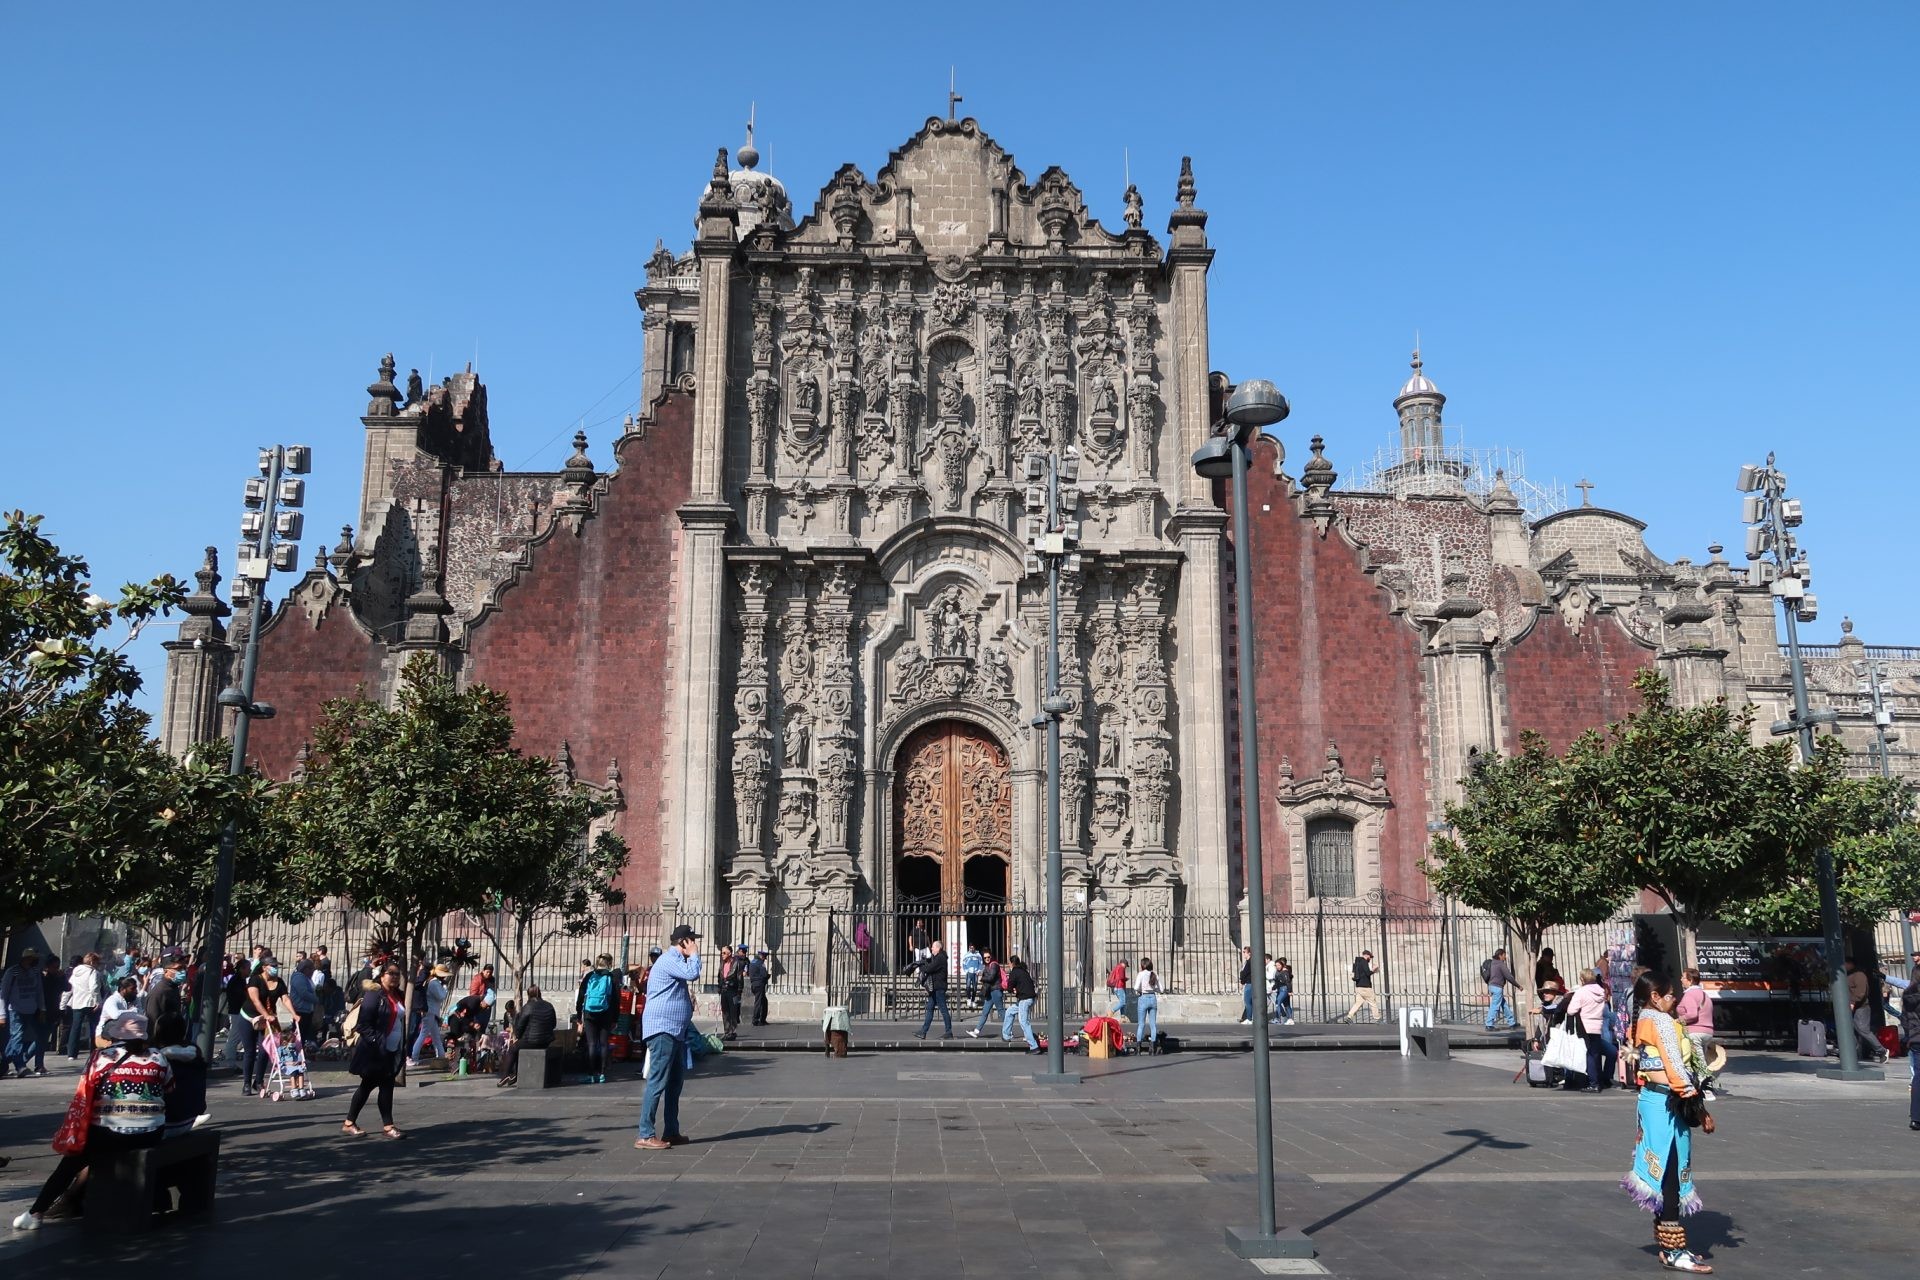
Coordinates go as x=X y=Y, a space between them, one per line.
x=599 y=997
x=1486 y=970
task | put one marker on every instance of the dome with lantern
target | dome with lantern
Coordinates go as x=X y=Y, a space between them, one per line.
x=761 y=196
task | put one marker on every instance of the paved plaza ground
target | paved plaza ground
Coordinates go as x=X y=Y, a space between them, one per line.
x=958 y=1165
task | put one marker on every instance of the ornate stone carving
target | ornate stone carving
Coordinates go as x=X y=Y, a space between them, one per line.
x=949 y=661
x=952 y=303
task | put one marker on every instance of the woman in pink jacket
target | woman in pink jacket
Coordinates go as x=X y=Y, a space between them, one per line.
x=1590 y=1006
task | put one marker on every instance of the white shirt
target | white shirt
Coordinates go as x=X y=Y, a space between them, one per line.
x=115 y=1005
x=83 y=990
x=1147 y=982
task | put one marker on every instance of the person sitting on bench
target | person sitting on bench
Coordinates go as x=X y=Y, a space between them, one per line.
x=532 y=1029
x=126 y=1086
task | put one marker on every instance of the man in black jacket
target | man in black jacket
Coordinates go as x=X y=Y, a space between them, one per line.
x=165 y=1015
x=933 y=976
x=758 y=976
x=1363 y=994
x=533 y=1029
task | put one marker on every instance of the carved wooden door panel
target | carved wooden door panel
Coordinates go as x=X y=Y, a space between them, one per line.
x=955 y=802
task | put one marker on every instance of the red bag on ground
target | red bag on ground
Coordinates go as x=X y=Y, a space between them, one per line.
x=71 y=1140
x=1890 y=1040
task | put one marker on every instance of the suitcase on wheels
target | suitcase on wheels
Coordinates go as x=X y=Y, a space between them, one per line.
x=1813 y=1039
x=1538 y=1076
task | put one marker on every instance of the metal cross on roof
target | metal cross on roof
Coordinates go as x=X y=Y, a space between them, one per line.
x=1586 y=492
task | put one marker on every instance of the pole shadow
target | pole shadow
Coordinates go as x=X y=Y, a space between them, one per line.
x=1477 y=1139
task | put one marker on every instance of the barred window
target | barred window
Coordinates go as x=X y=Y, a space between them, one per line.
x=1330 y=858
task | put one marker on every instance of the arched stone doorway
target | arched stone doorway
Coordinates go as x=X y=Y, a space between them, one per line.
x=953 y=836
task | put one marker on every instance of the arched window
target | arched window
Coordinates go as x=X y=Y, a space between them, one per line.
x=1330 y=858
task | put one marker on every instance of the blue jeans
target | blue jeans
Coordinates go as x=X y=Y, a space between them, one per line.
x=24 y=1042
x=1119 y=997
x=1282 y=1003
x=1913 y=1090
x=1149 y=1017
x=1023 y=1016
x=996 y=999
x=1496 y=1002
x=937 y=999
x=80 y=1032
x=1246 y=1002
x=666 y=1072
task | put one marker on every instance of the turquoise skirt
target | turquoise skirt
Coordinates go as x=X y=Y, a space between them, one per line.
x=1662 y=1138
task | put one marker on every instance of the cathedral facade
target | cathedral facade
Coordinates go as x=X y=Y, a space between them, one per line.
x=795 y=630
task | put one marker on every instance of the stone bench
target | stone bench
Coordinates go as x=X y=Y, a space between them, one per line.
x=539 y=1068
x=124 y=1189
x=1430 y=1044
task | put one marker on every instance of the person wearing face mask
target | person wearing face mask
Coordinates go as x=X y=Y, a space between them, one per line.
x=269 y=1010
x=124 y=998
x=165 y=1015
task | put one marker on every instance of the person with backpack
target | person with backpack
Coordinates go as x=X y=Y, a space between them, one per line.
x=599 y=1003
x=993 y=985
x=1364 y=996
x=1022 y=991
x=1498 y=975
x=1147 y=983
x=1117 y=988
x=759 y=977
x=733 y=987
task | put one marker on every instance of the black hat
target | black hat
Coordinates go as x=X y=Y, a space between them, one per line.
x=653 y=953
x=683 y=933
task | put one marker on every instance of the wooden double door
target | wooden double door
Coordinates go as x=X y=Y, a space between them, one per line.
x=953 y=831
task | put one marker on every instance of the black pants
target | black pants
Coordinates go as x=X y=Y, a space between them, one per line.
x=100 y=1142
x=598 y=1028
x=380 y=1088
x=729 y=1012
x=760 y=1008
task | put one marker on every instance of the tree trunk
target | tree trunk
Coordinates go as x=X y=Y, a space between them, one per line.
x=1687 y=929
x=1531 y=943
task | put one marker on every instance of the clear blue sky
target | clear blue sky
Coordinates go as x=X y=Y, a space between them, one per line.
x=1643 y=242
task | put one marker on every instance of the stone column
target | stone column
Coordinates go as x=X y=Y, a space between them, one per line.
x=198 y=662
x=1695 y=666
x=1200 y=655
x=1460 y=669
x=1188 y=258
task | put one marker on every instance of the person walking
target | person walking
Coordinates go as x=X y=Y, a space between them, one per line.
x=759 y=977
x=733 y=990
x=863 y=945
x=304 y=998
x=599 y=1004
x=1497 y=973
x=379 y=1052
x=432 y=1006
x=271 y=1014
x=1859 y=987
x=1694 y=1013
x=22 y=1000
x=86 y=988
x=1246 y=986
x=166 y=1013
x=1363 y=994
x=1147 y=1017
x=1586 y=1013
x=932 y=972
x=128 y=1086
x=1117 y=988
x=533 y=1028
x=1661 y=1179
x=1910 y=1038
x=53 y=1002
x=664 y=1027
x=1022 y=991
x=1283 y=992
x=993 y=993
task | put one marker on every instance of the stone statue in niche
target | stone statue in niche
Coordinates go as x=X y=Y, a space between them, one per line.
x=952 y=392
x=950 y=625
x=806 y=395
x=906 y=671
x=1106 y=401
x=795 y=755
x=996 y=672
x=1109 y=747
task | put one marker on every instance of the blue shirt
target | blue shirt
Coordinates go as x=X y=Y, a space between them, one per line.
x=300 y=992
x=971 y=964
x=669 y=1001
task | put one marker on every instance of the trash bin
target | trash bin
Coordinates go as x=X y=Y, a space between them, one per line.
x=1412 y=1016
x=835 y=1026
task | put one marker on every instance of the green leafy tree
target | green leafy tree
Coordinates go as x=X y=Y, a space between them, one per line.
x=1680 y=802
x=86 y=797
x=1515 y=852
x=270 y=882
x=1876 y=856
x=426 y=809
x=559 y=899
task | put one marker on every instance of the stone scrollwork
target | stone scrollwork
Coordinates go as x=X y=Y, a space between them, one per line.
x=949 y=661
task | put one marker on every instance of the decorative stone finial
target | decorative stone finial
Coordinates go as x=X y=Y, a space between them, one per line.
x=1846 y=626
x=1136 y=208
x=579 y=461
x=563 y=761
x=384 y=394
x=1185 y=192
x=748 y=155
x=300 y=759
x=320 y=556
x=208 y=574
x=343 y=551
x=1318 y=465
x=1586 y=492
x=722 y=184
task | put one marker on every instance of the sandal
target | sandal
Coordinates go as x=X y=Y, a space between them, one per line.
x=352 y=1129
x=1683 y=1260
x=388 y=1131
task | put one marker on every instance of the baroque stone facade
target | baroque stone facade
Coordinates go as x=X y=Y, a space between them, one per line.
x=795 y=629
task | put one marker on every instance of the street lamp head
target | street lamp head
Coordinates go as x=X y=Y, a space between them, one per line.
x=1255 y=403
x=1214 y=459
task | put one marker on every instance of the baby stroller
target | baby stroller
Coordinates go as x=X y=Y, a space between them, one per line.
x=286 y=1066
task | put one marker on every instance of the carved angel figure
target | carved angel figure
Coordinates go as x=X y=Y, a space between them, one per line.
x=952 y=391
x=905 y=672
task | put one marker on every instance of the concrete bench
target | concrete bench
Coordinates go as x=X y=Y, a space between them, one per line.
x=539 y=1068
x=1430 y=1044
x=124 y=1189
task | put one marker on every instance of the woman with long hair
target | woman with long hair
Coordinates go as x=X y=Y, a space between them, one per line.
x=1147 y=983
x=1661 y=1179
x=379 y=1051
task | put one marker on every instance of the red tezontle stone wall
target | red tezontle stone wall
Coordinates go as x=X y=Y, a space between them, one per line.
x=1560 y=684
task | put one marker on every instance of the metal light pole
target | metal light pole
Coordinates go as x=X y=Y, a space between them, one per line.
x=1873 y=684
x=272 y=543
x=1772 y=514
x=1053 y=538
x=1253 y=405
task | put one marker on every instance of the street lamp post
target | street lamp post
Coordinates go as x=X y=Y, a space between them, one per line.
x=1873 y=679
x=1771 y=516
x=272 y=542
x=1254 y=404
x=1053 y=538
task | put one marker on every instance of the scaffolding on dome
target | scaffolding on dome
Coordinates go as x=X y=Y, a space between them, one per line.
x=1456 y=467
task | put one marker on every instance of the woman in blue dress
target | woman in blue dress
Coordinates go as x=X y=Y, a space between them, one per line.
x=1661 y=1180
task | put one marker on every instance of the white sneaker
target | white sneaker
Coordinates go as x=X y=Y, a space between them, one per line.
x=1289 y=1021
x=1246 y=1022
x=975 y=1033
x=26 y=1222
x=202 y=1118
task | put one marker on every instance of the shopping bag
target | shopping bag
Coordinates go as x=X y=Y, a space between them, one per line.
x=1813 y=1039
x=1566 y=1051
x=71 y=1140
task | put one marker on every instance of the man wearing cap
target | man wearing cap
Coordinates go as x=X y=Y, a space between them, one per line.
x=23 y=1000
x=758 y=976
x=664 y=1027
x=733 y=986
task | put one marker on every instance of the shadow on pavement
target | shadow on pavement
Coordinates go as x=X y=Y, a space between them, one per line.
x=1477 y=1139
x=766 y=1131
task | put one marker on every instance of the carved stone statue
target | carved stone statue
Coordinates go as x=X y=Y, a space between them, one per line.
x=947 y=623
x=416 y=391
x=906 y=671
x=953 y=390
x=1109 y=747
x=796 y=740
x=1106 y=401
x=1136 y=207
x=806 y=395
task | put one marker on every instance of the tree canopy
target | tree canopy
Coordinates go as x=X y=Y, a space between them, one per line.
x=1876 y=855
x=87 y=799
x=425 y=809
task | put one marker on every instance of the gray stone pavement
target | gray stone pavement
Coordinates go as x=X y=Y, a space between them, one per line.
x=890 y=1164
